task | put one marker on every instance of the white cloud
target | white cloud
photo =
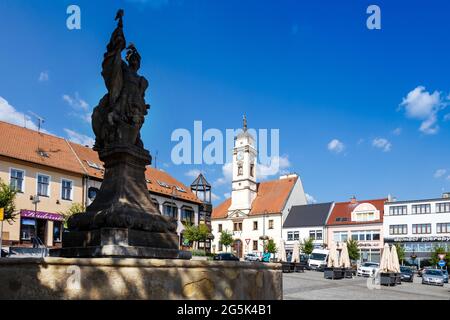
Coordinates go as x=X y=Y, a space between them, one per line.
x=227 y=172
x=43 y=76
x=277 y=165
x=397 y=131
x=9 y=114
x=310 y=199
x=80 y=107
x=227 y=195
x=440 y=173
x=79 y=138
x=193 y=173
x=421 y=105
x=382 y=144
x=336 y=146
x=214 y=197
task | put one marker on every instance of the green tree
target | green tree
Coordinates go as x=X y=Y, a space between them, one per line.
x=435 y=256
x=7 y=197
x=307 y=246
x=226 y=239
x=74 y=209
x=400 y=252
x=353 y=250
x=271 y=247
x=195 y=234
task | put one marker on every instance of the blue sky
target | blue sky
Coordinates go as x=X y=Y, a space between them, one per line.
x=360 y=112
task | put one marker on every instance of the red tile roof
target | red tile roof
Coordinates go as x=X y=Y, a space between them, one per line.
x=23 y=144
x=345 y=209
x=271 y=197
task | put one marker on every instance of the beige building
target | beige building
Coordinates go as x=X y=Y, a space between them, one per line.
x=60 y=173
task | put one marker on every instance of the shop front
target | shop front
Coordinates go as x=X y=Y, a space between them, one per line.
x=42 y=227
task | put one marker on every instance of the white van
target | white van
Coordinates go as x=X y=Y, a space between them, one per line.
x=318 y=259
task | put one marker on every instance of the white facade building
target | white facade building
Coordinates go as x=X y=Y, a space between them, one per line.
x=419 y=225
x=255 y=211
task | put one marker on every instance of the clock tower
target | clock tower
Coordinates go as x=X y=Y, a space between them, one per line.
x=244 y=187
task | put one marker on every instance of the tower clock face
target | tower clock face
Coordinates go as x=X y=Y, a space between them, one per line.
x=240 y=155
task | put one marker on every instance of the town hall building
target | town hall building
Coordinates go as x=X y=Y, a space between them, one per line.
x=256 y=210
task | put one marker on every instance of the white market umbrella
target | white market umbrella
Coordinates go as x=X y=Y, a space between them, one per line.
x=344 y=259
x=395 y=266
x=296 y=252
x=332 y=256
x=385 y=262
x=282 y=251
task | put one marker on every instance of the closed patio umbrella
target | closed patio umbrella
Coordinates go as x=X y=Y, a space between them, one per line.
x=385 y=264
x=344 y=259
x=282 y=252
x=332 y=256
x=395 y=266
x=296 y=252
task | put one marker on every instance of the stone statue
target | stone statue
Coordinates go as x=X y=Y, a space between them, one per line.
x=122 y=220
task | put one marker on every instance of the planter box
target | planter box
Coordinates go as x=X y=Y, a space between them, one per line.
x=348 y=273
x=333 y=273
x=388 y=279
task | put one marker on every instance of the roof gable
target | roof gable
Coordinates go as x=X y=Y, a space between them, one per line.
x=342 y=211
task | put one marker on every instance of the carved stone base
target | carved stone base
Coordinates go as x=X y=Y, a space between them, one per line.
x=120 y=242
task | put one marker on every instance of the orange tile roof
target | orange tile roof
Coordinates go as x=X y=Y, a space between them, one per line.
x=24 y=144
x=21 y=143
x=344 y=210
x=271 y=197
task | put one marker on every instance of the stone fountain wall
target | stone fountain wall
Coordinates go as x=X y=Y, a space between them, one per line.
x=137 y=279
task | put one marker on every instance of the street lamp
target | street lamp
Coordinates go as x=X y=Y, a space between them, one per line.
x=264 y=238
x=35 y=200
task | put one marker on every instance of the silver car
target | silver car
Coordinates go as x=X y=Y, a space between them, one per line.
x=252 y=257
x=434 y=277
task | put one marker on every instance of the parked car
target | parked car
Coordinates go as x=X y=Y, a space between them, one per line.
x=252 y=257
x=225 y=257
x=318 y=259
x=445 y=275
x=367 y=269
x=407 y=274
x=422 y=270
x=434 y=277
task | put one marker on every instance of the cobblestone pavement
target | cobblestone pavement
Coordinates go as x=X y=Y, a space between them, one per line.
x=312 y=286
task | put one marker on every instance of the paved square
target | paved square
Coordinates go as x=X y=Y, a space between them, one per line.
x=311 y=285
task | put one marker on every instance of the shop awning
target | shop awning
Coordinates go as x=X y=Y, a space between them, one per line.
x=41 y=215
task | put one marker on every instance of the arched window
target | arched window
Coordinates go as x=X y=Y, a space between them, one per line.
x=170 y=210
x=187 y=215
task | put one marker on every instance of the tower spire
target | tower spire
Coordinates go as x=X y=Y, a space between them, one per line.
x=245 y=123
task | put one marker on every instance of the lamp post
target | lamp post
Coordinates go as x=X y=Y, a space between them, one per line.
x=35 y=200
x=264 y=237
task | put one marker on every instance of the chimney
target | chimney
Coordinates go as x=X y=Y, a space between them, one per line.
x=353 y=200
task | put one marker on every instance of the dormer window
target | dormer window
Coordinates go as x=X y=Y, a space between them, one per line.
x=42 y=153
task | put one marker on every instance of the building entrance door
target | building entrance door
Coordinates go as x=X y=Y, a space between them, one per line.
x=237 y=247
x=41 y=230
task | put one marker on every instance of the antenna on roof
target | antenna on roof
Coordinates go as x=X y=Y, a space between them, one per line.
x=39 y=119
x=156 y=157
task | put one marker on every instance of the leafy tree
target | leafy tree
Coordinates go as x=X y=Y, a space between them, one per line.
x=271 y=247
x=307 y=246
x=74 y=209
x=195 y=234
x=226 y=238
x=400 y=252
x=435 y=256
x=7 y=197
x=353 y=250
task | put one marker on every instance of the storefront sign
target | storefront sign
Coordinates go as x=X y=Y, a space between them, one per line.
x=418 y=239
x=41 y=215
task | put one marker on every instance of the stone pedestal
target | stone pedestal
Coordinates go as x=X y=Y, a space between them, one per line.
x=138 y=279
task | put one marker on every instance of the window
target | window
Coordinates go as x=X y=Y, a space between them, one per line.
x=27 y=229
x=398 y=229
x=290 y=236
x=57 y=231
x=255 y=225
x=398 y=210
x=92 y=193
x=240 y=170
x=255 y=245
x=252 y=170
x=42 y=187
x=155 y=203
x=16 y=180
x=421 y=228
x=315 y=234
x=443 y=207
x=421 y=208
x=443 y=227
x=220 y=227
x=365 y=216
x=366 y=235
x=340 y=236
x=237 y=226
x=170 y=210
x=296 y=235
x=187 y=215
x=220 y=246
x=66 y=189
x=270 y=224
